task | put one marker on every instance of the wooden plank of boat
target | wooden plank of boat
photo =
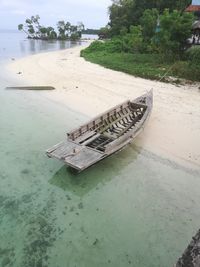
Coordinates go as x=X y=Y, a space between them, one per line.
x=39 y=88
x=106 y=134
x=74 y=155
x=83 y=158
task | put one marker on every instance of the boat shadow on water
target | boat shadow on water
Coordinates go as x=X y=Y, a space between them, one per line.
x=100 y=174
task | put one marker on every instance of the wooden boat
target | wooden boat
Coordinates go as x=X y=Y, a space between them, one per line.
x=104 y=135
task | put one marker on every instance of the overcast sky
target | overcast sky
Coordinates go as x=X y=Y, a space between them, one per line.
x=93 y=13
x=196 y=2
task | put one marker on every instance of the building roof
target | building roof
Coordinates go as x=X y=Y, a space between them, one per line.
x=193 y=8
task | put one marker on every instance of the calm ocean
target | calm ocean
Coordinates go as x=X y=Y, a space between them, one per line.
x=15 y=45
x=132 y=209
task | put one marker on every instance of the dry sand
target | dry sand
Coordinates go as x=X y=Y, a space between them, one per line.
x=173 y=131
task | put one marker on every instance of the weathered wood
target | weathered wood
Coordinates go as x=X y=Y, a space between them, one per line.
x=113 y=122
x=85 y=136
x=96 y=120
x=91 y=139
x=104 y=135
x=31 y=88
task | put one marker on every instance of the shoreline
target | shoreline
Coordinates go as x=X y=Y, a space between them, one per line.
x=173 y=130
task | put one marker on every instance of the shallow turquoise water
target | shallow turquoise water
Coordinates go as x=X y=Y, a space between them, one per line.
x=132 y=209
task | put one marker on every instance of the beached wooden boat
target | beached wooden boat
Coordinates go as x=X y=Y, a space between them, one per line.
x=104 y=135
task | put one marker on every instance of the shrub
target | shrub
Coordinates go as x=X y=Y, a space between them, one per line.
x=111 y=46
x=175 y=30
x=149 y=22
x=114 y=45
x=193 y=55
x=128 y=42
x=95 y=46
x=185 y=70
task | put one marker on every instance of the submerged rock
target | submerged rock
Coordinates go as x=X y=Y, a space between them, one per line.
x=25 y=171
x=80 y=205
x=68 y=197
x=96 y=242
x=71 y=209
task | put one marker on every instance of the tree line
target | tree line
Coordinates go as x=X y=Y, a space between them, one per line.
x=153 y=26
x=65 y=30
x=148 y=38
x=125 y=13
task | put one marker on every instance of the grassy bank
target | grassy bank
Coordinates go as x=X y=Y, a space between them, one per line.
x=149 y=66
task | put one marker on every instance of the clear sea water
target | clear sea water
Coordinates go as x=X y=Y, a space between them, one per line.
x=132 y=209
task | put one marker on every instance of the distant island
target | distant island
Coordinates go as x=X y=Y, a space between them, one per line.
x=91 y=31
x=65 y=30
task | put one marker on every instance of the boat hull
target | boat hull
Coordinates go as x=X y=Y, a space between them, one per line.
x=105 y=135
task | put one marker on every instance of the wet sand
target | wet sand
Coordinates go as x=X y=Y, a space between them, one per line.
x=173 y=131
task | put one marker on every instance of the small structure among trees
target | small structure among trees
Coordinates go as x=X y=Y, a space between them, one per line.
x=196 y=32
x=195 y=9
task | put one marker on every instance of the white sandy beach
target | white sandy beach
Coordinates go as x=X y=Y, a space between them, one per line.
x=173 y=130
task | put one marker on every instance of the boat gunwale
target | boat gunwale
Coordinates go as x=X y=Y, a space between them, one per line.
x=101 y=115
x=98 y=117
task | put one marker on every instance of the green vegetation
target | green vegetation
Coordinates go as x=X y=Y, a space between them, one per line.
x=193 y=54
x=66 y=31
x=150 y=66
x=124 y=13
x=175 y=29
x=148 y=40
